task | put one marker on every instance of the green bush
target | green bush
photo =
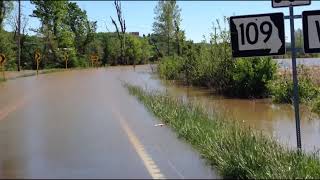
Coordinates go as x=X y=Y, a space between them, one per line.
x=281 y=89
x=138 y=50
x=315 y=106
x=170 y=68
x=80 y=61
x=7 y=46
x=251 y=75
x=207 y=67
x=211 y=65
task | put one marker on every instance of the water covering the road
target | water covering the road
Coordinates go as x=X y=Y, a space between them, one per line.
x=60 y=125
x=84 y=124
x=273 y=119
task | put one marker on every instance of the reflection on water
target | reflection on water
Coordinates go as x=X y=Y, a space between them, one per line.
x=273 y=119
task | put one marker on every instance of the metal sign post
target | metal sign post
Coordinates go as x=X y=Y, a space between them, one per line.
x=37 y=58
x=263 y=35
x=295 y=79
x=291 y=4
x=66 y=59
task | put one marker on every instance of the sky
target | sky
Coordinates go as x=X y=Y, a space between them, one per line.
x=197 y=16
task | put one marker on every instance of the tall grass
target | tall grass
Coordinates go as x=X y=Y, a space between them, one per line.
x=233 y=149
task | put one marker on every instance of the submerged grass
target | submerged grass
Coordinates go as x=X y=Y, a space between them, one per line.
x=233 y=149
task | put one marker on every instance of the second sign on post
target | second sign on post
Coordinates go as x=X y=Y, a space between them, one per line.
x=311 y=31
x=257 y=35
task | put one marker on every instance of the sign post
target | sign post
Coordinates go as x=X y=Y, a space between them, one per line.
x=66 y=56
x=2 y=61
x=263 y=35
x=37 y=57
x=295 y=79
x=291 y=4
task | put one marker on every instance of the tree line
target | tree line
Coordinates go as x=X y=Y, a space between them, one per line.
x=66 y=29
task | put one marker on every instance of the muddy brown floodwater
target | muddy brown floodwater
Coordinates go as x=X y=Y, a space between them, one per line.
x=275 y=120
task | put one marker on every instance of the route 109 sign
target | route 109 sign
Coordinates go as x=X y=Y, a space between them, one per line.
x=257 y=35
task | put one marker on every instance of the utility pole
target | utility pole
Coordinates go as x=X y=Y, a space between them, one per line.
x=19 y=31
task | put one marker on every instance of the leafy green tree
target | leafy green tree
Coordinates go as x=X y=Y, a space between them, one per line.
x=7 y=48
x=51 y=15
x=166 y=22
x=83 y=29
x=112 y=50
x=5 y=9
x=31 y=43
x=6 y=42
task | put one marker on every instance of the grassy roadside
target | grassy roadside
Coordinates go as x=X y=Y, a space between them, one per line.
x=234 y=150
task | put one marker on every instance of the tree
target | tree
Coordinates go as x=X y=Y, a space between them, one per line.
x=6 y=43
x=122 y=22
x=166 y=21
x=180 y=38
x=18 y=22
x=5 y=10
x=51 y=15
x=83 y=29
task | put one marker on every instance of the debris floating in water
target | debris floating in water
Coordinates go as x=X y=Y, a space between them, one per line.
x=156 y=125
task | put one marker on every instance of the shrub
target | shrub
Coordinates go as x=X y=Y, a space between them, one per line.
x=281 y=89
x=170 y=68
x=315 y=106
x=80 y=61
x=251 y=75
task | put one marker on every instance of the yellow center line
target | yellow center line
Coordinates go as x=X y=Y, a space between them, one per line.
x=150 y=165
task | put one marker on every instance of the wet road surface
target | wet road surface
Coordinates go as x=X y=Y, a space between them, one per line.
x=84 y=124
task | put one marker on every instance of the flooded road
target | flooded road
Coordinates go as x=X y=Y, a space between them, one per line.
x=84 y=124
x=275 y=120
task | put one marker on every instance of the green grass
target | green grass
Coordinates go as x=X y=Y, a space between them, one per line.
x=235 y=150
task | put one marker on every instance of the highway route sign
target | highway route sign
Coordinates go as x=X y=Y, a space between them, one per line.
x=257 y=35
x=2 y=59
x=37 y=56
x=66 y=56
x=94 y=58
x=311 y=31
x=288 y=3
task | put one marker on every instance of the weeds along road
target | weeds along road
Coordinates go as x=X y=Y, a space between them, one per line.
x=84 y=124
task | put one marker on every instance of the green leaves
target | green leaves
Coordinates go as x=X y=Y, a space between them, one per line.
x=281 y=88
x=167 y=21
x=251 y=75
